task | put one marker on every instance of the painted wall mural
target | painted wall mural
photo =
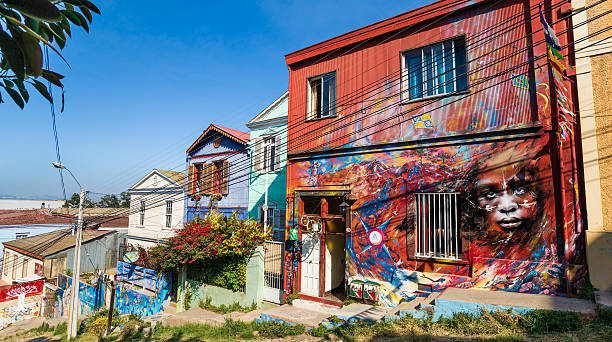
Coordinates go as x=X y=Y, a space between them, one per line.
x=130 y=300
x=91 y=298
x=19 y=302
x=506 y=207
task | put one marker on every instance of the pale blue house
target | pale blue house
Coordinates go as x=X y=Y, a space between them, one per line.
x=218 y=173
x=269 y=166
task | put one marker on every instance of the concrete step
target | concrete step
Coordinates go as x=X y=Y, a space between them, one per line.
x=293 y=315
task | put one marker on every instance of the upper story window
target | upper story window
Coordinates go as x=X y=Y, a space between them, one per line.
x=434 y=70
x=267 y=154
x=142 y=212
x=321 y=96
x=168 y=214
x=208 y=178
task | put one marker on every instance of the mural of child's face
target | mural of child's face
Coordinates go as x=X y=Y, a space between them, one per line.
x=508 y=197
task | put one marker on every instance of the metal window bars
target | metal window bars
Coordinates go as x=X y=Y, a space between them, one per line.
x=437 y=232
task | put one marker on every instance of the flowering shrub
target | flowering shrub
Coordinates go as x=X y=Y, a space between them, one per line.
x=216 y=246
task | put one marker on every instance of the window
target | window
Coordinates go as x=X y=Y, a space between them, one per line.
x=217 y=177
x=168 y=214
x=437 y=226
x=434 y=70
x=269 y=151
x=19 y=236
x=24 y=269
x=14 y=266
x=270 y=217
x=321 y=96
x=5 y=263
x=142 y=212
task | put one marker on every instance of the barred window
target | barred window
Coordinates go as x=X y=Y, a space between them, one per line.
x=437 y=226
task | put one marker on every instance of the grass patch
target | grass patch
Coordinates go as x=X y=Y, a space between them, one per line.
x=235 y=307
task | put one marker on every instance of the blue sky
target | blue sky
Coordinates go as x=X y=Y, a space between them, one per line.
x=149 y=78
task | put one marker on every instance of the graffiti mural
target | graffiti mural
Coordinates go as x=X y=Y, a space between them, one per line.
x=91 y=298
x=506 y=211
x=19 y=302
x=141 y=290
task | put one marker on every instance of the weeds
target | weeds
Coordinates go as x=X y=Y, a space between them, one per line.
x=235 y=307
x=276 y=330
x=547 y=321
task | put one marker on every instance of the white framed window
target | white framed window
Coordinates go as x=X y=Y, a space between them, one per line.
x=269 y=154
x=437 y=232
x=434 y=70
x=142 y=212
x=270 y=217
x=321 y=96
x=168 y=214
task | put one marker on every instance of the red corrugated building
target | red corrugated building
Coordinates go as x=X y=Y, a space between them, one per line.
x=422 y=154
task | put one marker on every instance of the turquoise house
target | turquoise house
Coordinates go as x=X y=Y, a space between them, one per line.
x=269 y=166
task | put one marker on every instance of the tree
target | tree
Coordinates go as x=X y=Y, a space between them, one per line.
x=125 y=199
x=74 y=201
x=109 y=201
x=24 y=25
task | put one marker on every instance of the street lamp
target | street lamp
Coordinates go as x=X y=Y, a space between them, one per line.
x=74 y=295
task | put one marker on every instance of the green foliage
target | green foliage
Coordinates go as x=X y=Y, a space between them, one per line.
x=60 y=329
x=320 y=331
x=109 y=201
x=69 y=272
x=210 y=240
x=24 y=26
x=546 y=321
x=275 y=329
x=98 y=326
x=44 y=327
x=224 y=309
x=125 y=199
x=290 y=298
x=188 y=298
x=587 y=291
x=604 y=315
x=226 y=272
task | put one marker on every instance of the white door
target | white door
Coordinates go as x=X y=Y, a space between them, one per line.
x=311 y=256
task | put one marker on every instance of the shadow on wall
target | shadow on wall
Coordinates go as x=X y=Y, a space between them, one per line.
x=599 y=258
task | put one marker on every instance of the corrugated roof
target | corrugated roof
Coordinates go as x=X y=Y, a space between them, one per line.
x=43 y=245
x=176 y=176
x=37 y=216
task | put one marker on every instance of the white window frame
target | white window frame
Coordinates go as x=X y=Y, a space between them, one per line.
x=437 y=226
x=268 y=148
x=168 y=216
x=434 y=82
x=271 y=212
x=141 y=220
x=331 y=111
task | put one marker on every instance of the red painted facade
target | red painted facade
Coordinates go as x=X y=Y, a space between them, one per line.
x=381 y=152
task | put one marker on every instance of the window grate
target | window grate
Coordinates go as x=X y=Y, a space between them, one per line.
x=437 y=226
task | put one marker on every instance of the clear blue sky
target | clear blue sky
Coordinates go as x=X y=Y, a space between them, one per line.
x=151 y=76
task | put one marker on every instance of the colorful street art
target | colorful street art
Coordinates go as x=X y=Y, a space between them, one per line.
x=508 y=221
x=91 y=298
x=19 y=302
x=496 y=147
x=141 y=290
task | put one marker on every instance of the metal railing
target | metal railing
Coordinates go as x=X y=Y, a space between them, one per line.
x=437 y=226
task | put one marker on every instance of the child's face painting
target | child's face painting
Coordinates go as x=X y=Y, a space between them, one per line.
x=507 y=195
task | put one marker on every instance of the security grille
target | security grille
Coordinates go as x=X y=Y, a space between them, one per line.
x=437 y=226
x=273 y=270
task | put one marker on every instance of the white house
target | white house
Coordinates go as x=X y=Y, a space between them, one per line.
x=156 y=207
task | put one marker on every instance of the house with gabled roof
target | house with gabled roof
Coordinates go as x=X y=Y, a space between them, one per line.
x=46 y=255
x=156 y=207
x=218 y=173
x=268 y=180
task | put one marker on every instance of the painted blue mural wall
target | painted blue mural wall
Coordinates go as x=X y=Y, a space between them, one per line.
x=129 y=300
x=91 y=298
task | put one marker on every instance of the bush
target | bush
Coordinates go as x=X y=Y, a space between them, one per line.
x=277 y=330
x=98 y=326
x=545 y=321
x=235 y=307
x=60 y=329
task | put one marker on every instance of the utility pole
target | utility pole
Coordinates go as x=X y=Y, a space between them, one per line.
x=73 y=314
x=265 y=206
x=112 y=308
x=76 y=272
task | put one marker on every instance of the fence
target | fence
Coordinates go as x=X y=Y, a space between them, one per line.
x=141 y=290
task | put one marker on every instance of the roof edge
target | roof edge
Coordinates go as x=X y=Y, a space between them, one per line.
x=381 y=27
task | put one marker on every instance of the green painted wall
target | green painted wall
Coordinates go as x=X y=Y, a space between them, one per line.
x=271 y=121
x=253 y=292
